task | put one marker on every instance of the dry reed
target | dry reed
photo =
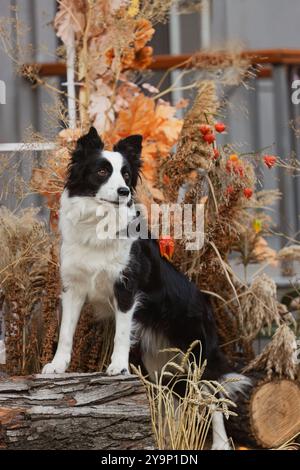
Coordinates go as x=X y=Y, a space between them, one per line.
x=183 y=422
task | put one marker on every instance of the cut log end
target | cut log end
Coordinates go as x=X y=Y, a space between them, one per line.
x=275 y=412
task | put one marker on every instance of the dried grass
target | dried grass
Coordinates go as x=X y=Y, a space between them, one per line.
x=183 y=422
x=30 y=282
x=25 y=252
x=290 y=444
x=259 y=307
x=289 y=253
x=278 y=357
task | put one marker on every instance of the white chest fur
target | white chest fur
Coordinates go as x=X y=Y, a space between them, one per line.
x=88 y=263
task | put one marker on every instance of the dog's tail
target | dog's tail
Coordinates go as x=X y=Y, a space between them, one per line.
x=236 y=383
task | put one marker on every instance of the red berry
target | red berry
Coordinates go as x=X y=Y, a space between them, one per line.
x=205 y=129
x=220 y=127
x=229 y=190
x=248 y=193
x=239 y=170
x=270 y=160
x=236 y=167
x=209 y=138
x=216 y=154
x=229 y=166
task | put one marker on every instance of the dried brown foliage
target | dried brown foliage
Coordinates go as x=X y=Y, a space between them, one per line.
x=30 y=283
x=183 y=422
x=25 y=249
x=279 y=356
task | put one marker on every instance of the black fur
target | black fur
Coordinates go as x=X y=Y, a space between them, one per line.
x=131 y=149
x=87 y=159
x=171 y=305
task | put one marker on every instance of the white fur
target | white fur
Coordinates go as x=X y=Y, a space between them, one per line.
x=220 y=438
x=108 y=191
x=120 y=356
x=236 y=383
x=239 y=385
x=90 y=265
x=153 y=344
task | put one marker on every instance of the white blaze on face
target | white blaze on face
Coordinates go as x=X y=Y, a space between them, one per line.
x=109 y=190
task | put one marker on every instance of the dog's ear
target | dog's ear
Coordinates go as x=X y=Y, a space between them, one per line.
x=131 y=149
x=88 y=142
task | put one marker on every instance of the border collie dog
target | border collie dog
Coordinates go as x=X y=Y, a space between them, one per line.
x=126 y=277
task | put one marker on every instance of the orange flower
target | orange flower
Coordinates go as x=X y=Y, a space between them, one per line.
x=166 y=179
x=209 y=138
x=229 y=190
x=234 y=157
x=166 y=247
x=248 y=192
x=137 y=56
x=216 y=154
x=143 y=33
x=155 y=122
x=205 y=129
x=270 y=160
x=220 y=127
x=235 y=166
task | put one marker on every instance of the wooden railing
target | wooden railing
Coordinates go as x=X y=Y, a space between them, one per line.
x=265 y=57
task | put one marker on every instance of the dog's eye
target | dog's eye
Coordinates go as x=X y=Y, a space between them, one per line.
x=126 y=176
x=103 y=172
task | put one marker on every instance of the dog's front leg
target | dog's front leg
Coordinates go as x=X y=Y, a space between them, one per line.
x=72 y=303
x=124 y=310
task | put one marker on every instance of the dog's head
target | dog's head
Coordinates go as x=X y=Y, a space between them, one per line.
x=101 y=174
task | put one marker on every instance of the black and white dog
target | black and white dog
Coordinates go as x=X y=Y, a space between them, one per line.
x=126 y=277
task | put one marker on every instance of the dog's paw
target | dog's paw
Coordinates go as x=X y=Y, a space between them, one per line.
x=221 y=445
x=117 y=369
x=57 y=366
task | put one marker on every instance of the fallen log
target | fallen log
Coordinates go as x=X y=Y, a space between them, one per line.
x=74 y=411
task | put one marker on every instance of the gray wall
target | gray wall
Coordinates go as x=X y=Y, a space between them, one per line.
x=24 y=104
x=259 y=24
x=24 y=110
x=264 y=24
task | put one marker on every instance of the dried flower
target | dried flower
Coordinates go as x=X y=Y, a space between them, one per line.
x=257 y=225
x=270 y=160
x=278 y=357
x=248 y=192
x=235 y=165
x=134 y=8
x=229 y=190
x=216 y=153
x=166 y=247
x=205 y=129
x=209 y=138
x=220 y=127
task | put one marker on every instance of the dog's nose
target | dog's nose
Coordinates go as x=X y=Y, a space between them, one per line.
x=123 y=191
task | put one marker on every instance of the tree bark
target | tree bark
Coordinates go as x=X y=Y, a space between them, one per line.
x=74 y=411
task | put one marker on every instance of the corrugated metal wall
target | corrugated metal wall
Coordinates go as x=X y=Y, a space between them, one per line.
x=24 y=103
x=265 y=24
x=255 y=23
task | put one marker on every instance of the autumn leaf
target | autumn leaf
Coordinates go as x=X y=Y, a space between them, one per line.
x=69 y=19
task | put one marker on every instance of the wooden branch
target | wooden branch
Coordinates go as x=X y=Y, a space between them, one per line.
x=74 y=411
x=165 y=61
